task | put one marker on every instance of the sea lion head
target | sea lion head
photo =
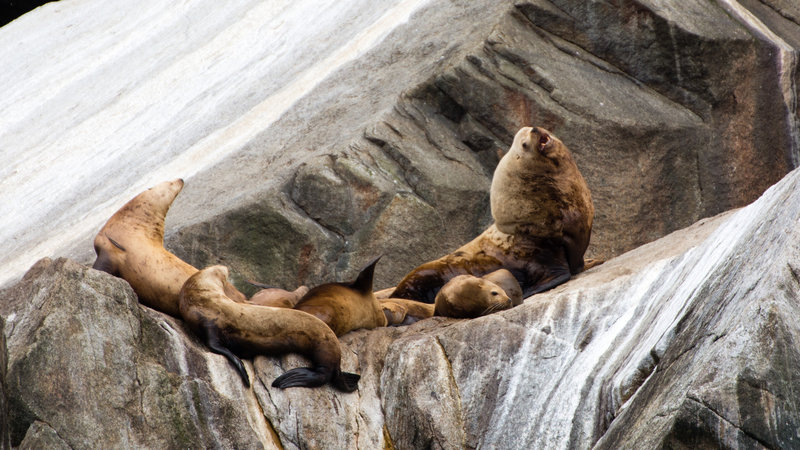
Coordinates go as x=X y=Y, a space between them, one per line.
x=466 y=296
x=141 y=220
x=203 y=288
x=534 y=184
x=539 y=148
x=508 y=283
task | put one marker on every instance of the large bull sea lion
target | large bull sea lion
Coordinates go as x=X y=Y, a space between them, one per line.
x=542 y=211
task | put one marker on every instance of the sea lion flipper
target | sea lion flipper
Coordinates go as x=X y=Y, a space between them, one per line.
x=213 y=342
x=300 y=377
x=346 y=381
x=363 y=283
x=556 y=280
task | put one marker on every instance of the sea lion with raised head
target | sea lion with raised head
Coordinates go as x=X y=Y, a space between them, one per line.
x=346 y=306
x=240 y=330
x=467 y=297
x=542 y=211
x=131 y=246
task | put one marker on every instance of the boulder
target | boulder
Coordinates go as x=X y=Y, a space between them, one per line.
x=89 y=367
x=379 y=135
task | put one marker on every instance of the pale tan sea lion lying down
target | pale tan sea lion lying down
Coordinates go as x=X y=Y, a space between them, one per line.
x=464 y=296
x=243 y=330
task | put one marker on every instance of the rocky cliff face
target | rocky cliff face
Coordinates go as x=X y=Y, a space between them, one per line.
x=674 y=110
x=674 y=113
x=688 y=342
x=307 y=166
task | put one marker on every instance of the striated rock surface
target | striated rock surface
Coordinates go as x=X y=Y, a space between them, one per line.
x=687 y=342
x=666 y=128
x=308 y=150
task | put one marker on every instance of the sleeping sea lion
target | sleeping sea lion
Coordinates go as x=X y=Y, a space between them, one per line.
x=346 y=306
x=467 y=297
x=242 y=330
x=277 y=297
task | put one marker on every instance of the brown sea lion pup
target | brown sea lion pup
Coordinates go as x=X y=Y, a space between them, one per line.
x=401 y=311
x=277 y=297
x=131 y=246
x=241 y=330
x=467 y=297
x=543 y=213
x=508 y=283
x=346 y=306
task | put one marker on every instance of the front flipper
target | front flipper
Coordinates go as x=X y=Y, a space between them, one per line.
x=547 y=284
x=301 y=377
x=214 y=343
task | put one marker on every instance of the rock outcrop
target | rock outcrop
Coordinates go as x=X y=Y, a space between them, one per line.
x=675 y=110
x=687 y=342
x=647 y=97
x=381 y=139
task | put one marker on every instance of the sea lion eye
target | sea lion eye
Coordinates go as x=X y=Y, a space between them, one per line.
x=495 y=293
x=525 y=145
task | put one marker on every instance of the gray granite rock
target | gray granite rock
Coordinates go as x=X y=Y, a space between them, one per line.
x=89 y=366
x=687 y=342
x=674 y=110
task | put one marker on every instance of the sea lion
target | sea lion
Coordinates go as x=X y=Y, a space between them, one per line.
x=542 y=211
x=401 y=311
x=467 y=297
x=131 y=246
x=230 y=328
x=277 y=297
x=346 y=306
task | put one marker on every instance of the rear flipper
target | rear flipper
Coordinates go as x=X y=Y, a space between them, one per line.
x=307 y=377
x=301 y=377
x=346 y=381
x=213 y=342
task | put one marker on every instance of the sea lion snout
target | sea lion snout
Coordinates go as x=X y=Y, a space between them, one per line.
x=500 y=298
